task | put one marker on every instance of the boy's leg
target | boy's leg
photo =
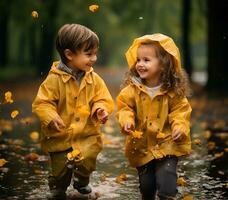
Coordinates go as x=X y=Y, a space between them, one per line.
x=147 y=181
x=60 y=176
x=81 y=183
x=166 y=177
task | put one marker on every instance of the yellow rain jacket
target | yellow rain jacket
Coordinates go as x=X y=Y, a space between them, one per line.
x=60 y=95
x=156 y=117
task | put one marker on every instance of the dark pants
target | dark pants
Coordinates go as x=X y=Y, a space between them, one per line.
x=60 y=176
x=158 y=176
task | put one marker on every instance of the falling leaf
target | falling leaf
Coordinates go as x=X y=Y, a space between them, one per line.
x=137 y=134
x=73 y=126
x=34 y=135
x=121 y=178
x=32 y=156
x=181 y=181
x=14 y=113
x=187 y=197
x=197 y=141
x=2 y=162
x=108 y=129
x=34 y=14
x=8 y=97
x=93 y=8
x=160 y=135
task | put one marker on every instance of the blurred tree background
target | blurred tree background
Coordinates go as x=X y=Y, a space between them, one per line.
x=199 y=27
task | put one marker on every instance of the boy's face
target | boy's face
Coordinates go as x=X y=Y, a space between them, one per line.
x=82 y=60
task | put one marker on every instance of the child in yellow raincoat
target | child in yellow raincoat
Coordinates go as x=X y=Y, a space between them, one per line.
x=154 y=114
x=71 y=103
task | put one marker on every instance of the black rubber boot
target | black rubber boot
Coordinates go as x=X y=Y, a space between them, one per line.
x=83 y=189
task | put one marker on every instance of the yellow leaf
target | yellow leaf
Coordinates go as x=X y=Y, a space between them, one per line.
x=73 y=125
x=207 y=134
x=14 y=113
x=187 y=197
x=8 y=97
x=181 y=181
x=93 y=8
x=2 y=162
x=34 y=14
x=197 y=142
x=121 y=178
x=160 y=135
x=137 y=134
x=75 y=154
x=34 y=135
x=108 y=129
x=32 y=156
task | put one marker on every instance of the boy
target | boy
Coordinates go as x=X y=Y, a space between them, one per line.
x=71 y=103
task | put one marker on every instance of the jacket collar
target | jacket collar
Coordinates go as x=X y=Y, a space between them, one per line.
x=137 y=82
x=66 y=76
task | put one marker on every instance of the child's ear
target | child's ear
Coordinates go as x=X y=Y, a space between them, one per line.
x=68 y=54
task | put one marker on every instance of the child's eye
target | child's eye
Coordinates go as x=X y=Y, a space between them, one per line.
x=146 y=59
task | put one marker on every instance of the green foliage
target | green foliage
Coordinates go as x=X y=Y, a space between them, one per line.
x=117 y=23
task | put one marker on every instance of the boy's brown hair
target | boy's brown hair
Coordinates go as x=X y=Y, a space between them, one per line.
x=75 y=37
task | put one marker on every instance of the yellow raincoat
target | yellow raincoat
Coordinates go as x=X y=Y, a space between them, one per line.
x=156 y=117
x=60 y=95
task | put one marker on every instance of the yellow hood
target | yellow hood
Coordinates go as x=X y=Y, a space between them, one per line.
x=166 y=42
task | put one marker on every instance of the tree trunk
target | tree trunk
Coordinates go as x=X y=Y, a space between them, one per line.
x=187 y=61
x=217 y=45
x=47 y=36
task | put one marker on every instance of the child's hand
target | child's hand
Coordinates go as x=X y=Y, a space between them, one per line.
x=57 y=124
x=102 y=115
x=128 y=128
x=177 y=135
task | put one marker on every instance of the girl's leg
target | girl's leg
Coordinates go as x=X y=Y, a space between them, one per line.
x=147 y=181
x=166 y=177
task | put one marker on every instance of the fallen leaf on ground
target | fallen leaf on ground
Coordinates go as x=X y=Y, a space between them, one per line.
x=121 y=178
x=181 y=181
x=2 y=162
x=197 y=141
x=32 y=156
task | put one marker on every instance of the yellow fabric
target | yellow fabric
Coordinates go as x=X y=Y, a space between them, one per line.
x=165 y=41
x=60 y=95
x=163 y=113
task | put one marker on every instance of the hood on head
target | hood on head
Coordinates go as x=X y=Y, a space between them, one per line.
x=166 y=43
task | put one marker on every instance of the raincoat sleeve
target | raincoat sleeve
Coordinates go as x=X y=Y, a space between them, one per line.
x=102 y=98
x=125 y=106
x=45 y=103
x=179 y=114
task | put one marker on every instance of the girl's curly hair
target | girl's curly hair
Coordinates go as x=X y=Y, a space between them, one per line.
x=171 y=80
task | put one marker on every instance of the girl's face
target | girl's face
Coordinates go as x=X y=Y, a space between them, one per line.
x=148 y=65
x=82 y=60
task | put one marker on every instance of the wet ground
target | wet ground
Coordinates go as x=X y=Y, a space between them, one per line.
x=24 y=176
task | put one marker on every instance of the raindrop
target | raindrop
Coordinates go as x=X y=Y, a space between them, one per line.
x=140 y=18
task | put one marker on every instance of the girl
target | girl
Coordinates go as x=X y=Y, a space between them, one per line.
x=154 y=113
